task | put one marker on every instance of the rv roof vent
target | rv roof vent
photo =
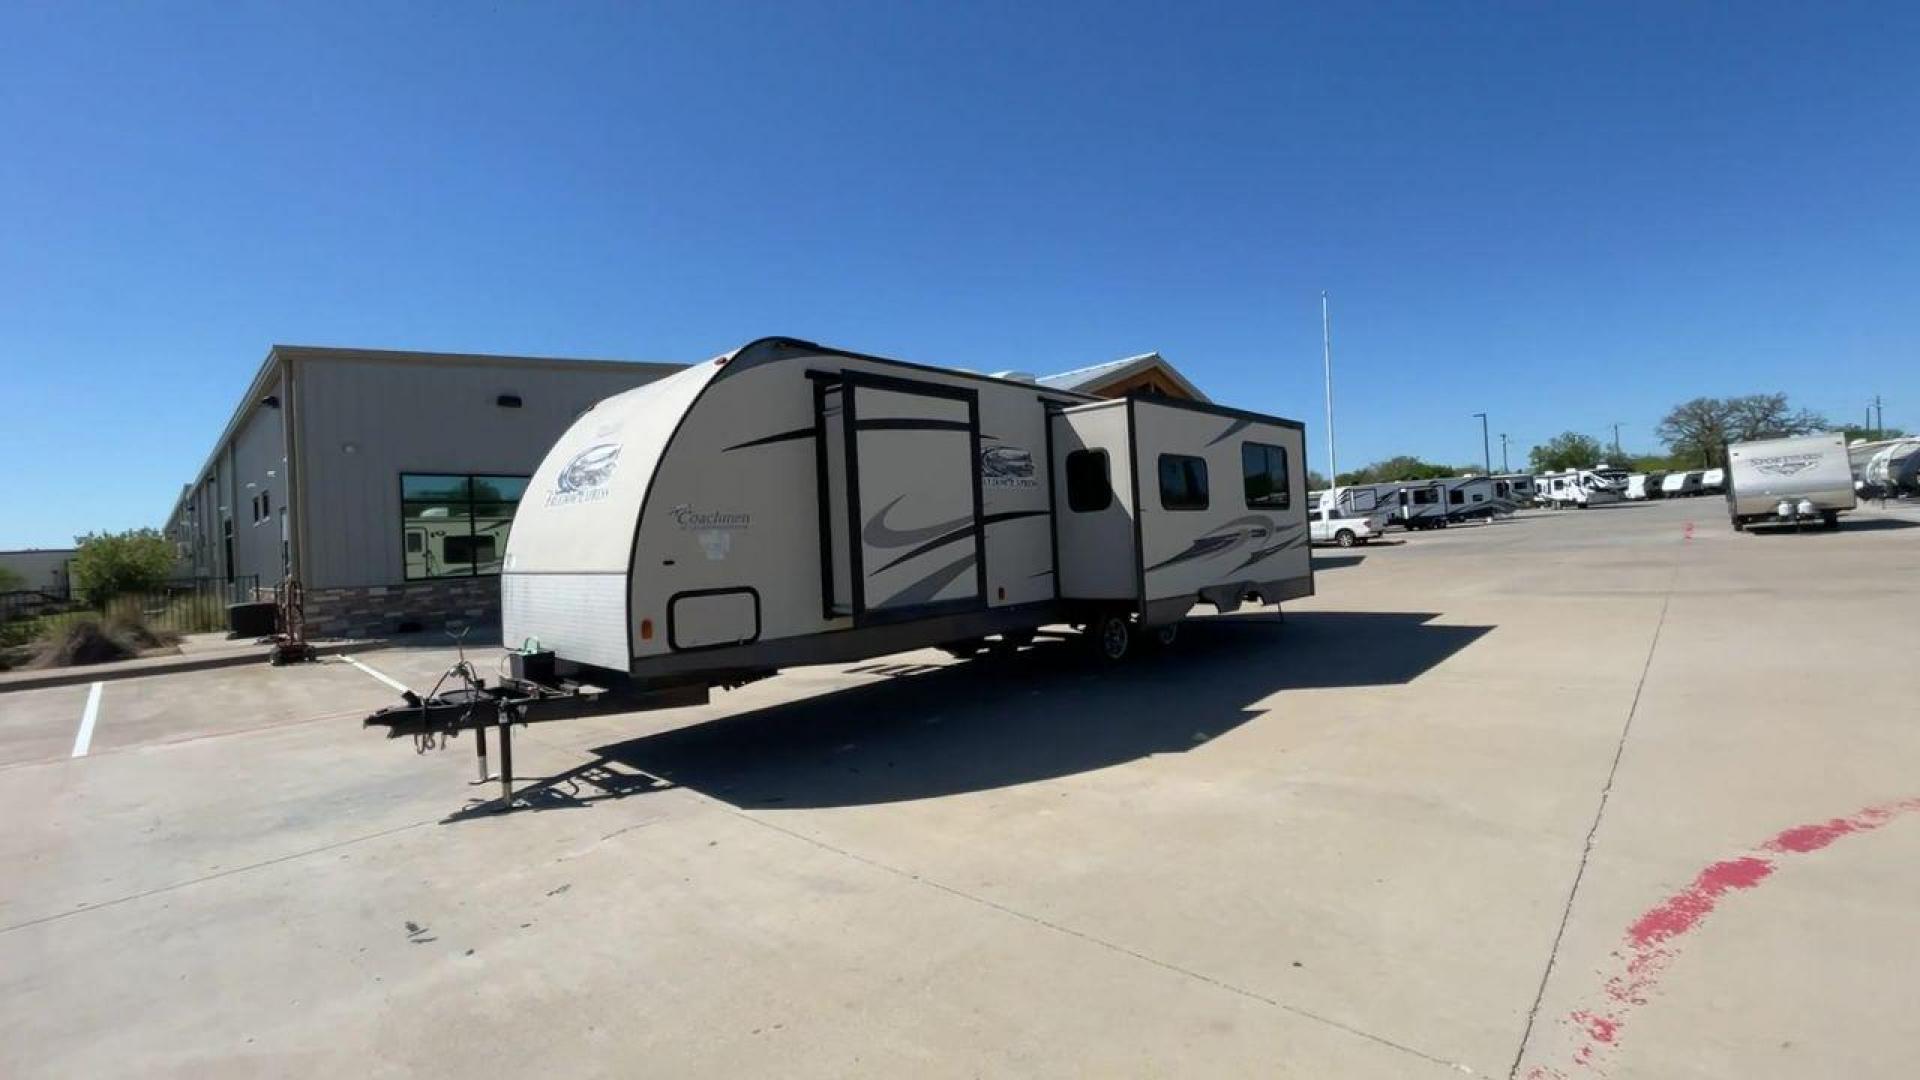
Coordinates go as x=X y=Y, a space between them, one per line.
x=1017 y=376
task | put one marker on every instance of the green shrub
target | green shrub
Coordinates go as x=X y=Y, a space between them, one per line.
x=109 y=564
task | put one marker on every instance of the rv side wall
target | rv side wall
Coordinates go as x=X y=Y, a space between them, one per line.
x=1230 y=530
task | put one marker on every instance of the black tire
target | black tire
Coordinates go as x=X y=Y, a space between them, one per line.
x=1112 y=636
x=1739 y=525
x=1344 y=538
x=1830 y=519
x=1164 y=636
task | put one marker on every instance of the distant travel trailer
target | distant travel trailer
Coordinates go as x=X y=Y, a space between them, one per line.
x=1514 y=490
x=1713 y=481
x=1789 y=480
x=1676 y=484
x=1579 y=488
x=1470 y=498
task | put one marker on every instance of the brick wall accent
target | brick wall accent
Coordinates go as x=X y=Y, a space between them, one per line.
x=378 y=610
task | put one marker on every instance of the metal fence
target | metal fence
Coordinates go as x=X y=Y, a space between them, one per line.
x=187 y=606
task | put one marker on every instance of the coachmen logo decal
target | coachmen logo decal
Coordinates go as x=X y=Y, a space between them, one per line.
x=1007 y=466
x=1786 y=464
x=585 y=477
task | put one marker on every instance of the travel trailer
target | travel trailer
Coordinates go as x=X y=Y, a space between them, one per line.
x=1676 y=484
x=1579 y=488
x=1514 y=490
x=1642 y=486
x=1470 y=498
x=1789 y=480
x=1349 y=515
x=1713 y=481
x=1422 y=504
x=1891 y=469
x=791 y=504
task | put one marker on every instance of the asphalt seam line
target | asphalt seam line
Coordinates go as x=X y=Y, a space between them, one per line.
x=158 y=889
x=83 y=739
x=1090 y=939
x=1593 y=832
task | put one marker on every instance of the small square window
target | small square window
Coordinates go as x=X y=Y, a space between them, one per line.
x=1183 y=482
x=1089 y=482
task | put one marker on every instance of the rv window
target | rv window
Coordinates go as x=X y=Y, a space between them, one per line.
x=1089 y=484
x=456 y=526
x=1183 y=482
x=1456 y=496
x=1265 y=471
x=1425 y=496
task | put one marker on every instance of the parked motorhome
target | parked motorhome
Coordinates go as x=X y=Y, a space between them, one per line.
x=1789 y=480
x=1677 y=484
x=794 y=504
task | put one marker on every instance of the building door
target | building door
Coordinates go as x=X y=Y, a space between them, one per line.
x=226 y=529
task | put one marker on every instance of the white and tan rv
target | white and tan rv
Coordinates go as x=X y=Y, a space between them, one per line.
x=793 y=504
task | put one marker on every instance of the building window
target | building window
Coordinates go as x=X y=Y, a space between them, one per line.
x=1265 y=470
x=1183 y=482
x=456 y=526
x=266 y=506
x=1089 y=484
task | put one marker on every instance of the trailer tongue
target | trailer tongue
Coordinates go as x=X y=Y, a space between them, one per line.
x=472 y=705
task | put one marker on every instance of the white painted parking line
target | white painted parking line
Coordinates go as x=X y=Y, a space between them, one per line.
x=381 y=675
x=84 y=737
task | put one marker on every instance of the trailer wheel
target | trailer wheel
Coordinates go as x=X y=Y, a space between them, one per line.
x=1739 y=525
x=1830 y=519
x=1112 y=636
x=1165 y=636
x=1344 y=538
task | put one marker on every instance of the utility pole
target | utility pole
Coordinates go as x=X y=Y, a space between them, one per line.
x=1326 y=356
x=1486 y=446
x=1617 y=455
x=1879 y=418
x=1504 y=467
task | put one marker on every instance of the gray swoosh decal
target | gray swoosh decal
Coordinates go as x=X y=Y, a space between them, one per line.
x=1236 y=426
x=962 y=533
x=928 y=587
x=881 y=535
x=785 y=436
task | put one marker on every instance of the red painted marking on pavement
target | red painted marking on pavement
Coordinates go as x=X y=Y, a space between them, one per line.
x=1684 y=910
x=1651 y=942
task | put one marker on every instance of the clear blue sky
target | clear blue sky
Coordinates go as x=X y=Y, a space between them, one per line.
x=1563 y=218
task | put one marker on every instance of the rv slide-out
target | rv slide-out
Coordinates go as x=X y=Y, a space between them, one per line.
x=789 y=504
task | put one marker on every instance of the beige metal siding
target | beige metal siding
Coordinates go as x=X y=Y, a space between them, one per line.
x=364 y=422
x=258 y=465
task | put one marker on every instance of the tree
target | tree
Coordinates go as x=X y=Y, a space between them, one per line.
x=1398 y=467
x=109 y=564
x=1854 y=432
x=1315 y=481
x=1567 y=450
x=10 y=580
x=1698 y=431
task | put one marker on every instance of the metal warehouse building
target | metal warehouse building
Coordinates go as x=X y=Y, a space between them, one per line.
x=383 y=481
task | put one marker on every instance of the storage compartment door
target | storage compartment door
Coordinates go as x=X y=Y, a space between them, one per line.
x=917 y=499
x=831 y=452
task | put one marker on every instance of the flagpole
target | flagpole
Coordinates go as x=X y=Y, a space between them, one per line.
x=1326 y=354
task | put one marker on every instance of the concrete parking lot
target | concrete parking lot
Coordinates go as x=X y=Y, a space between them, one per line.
x=1607 y=793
